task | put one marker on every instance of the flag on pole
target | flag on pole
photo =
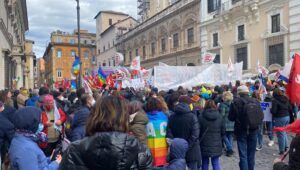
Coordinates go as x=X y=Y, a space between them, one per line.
x=136 y=63
x=293 y=86
x=101 y=76
x=76 y=66
x=285 y=73
x=293 y=128
x=86 y=87
x=262 y=70
x=73 y=85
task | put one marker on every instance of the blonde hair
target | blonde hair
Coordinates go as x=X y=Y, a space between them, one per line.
x=227 y=96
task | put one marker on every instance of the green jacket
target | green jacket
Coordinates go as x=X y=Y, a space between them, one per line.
x=224 y=110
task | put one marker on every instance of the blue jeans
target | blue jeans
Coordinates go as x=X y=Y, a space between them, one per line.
x=260 y=136
x=282 y=136
x=214 y=161
x=247 y=147
x=228 y=140
x=270 y=130
x=193 y=165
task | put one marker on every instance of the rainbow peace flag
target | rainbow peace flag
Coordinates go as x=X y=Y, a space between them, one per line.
x=76 y=66
x=73 y=85
x=156 y=134
x=101 y=76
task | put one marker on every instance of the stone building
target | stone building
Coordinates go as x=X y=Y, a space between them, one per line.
x=294 y=15
x=13 y=25
x=171 y=36
x=61 y=51
x=40 y=72
x=118 y=24
x=246 y=30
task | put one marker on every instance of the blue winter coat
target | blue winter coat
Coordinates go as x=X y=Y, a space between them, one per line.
x=178 y=150
x=25 y=154
x=78 y=123
x=32 y=101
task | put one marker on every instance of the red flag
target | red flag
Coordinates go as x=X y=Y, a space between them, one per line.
x=293 y=87
x=294 y=128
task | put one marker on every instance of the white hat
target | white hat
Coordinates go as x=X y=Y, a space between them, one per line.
x=242 y=89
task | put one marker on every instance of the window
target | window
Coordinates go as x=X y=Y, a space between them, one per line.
x=241 y=33
x=59 y=53
x=235 y=1
x=108 y=45
x=276 y=54
x=59 y=73
x=108 y=62
x=58 y=39
x=110 y=21
x=213 y=5
x=86 y=71
x=190 y=35
x=86 y=54
x=163 y=44
x=72 y=41
x=137 y=52
x=124 y=57
x=85 y=41
x=144 y=51
x=73 y=53
x=276 y=23
x=114 y=61
x=217 y=59
x=130 y=56
x=215 y=40
x=94 y=59
x=241 y=56
x=98 y=51
x=175 y=40
x=104 y=63
x=153 y=48
x=103 y=48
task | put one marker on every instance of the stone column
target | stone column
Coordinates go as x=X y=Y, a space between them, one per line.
x=2 y=73
x=19 y=73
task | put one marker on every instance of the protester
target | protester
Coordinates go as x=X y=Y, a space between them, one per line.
x=34 y=99
x=184 y=124
x=177 y=154
x=61 y=103
x=24 y=152
x=138 y=121
x=53 y=120
x=256 y=95
x=156 y=131
x=281 y=109
x=211 y=134
x=6 y=98
x=81 y=116
x=229 y=125
x=108 y=145
x=22 y=98
x=269 y=124
x=247 y=115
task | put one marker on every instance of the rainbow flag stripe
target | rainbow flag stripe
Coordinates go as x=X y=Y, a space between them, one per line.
x=76 y=66
x=101 y=76
x=156 y=134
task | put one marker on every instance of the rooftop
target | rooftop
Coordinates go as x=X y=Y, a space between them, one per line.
x=110 y=12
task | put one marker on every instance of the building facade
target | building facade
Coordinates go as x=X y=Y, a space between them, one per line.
x=40 y=72
x=171 y=36
x=61 y=52
x=13 y=25
x=107 y=38
x=294 y=15
x=251 y=31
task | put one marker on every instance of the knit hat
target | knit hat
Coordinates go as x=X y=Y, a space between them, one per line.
x=185 y=99
x=48 y=99
x=27 y=118
x=243 y=89
x=195 y=98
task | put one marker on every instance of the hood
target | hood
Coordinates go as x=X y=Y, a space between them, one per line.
x=178 y=148
x=211 y=114
x=27 y=118
x=182 y=108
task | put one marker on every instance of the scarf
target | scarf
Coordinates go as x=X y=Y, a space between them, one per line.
x=37 y=137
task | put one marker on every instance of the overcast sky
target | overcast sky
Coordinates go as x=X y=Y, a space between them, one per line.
x=46 y=16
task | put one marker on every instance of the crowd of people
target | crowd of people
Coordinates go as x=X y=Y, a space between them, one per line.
x=143 y=129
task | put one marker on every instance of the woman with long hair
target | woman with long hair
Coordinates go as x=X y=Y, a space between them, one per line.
x=108 y=144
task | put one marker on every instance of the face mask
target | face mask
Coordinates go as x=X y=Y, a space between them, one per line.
x=48 y=107
x=40 y=128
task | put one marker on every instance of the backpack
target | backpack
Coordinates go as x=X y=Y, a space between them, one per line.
x=252 y=114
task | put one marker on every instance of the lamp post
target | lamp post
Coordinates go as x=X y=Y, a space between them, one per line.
x=79 y=47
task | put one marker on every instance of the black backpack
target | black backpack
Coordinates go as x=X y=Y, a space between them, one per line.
x=252 y=114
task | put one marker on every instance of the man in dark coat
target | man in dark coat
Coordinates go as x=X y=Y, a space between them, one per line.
x=178 y=151
x=246 y=138
x=184 y=124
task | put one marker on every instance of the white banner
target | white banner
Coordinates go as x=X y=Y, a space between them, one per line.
x=171 y=77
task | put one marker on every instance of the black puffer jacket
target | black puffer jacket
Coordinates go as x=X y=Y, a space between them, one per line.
x=212 y=130
x=184 y=124
x=107 y=150
x=281 y=106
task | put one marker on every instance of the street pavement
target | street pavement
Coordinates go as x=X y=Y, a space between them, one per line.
x=263 y=158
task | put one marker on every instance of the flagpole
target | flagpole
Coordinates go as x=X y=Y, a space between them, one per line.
x=79 y=47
